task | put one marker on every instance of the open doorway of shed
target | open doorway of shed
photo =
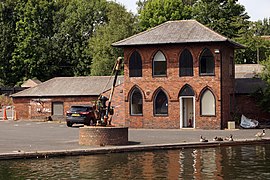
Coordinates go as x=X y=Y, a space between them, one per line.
x=187 y=112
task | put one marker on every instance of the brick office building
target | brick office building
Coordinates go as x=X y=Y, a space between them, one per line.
x=179 y=74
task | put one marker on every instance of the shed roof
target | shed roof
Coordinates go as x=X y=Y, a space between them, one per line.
x=71 y=86
x=247 y=79
x=175 y=32
x=31 y=83
x=248 y=70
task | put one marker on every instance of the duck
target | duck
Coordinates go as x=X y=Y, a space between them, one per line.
x=259 y=135
x=218 y=139
x=203 y=139
x=230 y=138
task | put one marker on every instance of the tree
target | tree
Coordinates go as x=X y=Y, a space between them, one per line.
x=224 y=16
x=75 y=25
x=119 y=24
x=7 y=34
x=257 y=47
x=32 y=42
x=155 y=12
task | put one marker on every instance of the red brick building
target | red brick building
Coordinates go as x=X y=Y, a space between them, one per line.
x=179 y=74
x=55 y=96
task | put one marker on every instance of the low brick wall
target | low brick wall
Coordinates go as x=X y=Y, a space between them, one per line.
x=103 y=136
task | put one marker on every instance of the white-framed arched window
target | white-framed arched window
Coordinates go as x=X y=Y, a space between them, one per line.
x=159 y=64
x=208 y=103
x=136 y=102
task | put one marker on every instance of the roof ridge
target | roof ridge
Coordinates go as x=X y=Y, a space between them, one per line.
x=205 y=27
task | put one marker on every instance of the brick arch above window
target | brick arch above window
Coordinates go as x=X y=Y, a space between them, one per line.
x=186 y=90
x=131 y=89
x=135 y=65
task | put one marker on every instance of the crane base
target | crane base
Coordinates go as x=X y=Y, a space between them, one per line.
x=102 y=136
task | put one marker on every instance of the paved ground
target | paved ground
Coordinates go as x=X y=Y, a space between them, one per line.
x=22 y=136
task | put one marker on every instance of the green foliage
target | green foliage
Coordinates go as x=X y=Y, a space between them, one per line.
x=47 y=38
x=257 y=48
x=33 y=33
x=224 y=16
x=155 y=12
x=7 y=34
x=120 y=24
x=78 y=20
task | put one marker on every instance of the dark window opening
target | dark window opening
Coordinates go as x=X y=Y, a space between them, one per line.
x=135 y=65
x=161 y=104
x=186 y=64
x=187 y=91
x=207 y=64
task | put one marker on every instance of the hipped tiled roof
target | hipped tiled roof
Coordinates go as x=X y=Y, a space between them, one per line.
x=175 y=32
x=71 y=86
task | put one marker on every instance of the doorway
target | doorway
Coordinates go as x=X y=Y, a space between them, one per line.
x=187 y=112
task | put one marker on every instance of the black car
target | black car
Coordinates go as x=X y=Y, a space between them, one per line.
x=80 y=114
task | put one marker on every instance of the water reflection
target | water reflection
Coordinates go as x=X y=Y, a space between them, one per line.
x=210 y=163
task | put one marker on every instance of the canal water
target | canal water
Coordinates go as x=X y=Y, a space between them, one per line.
x=237 y=162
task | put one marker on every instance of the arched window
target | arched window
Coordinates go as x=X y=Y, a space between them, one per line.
x=186 y=64
x=187 y=91
x=207 y=63
x=159 y=64
x=135 y=65
x=136 y=102
x=208 y=104
x=161 y=103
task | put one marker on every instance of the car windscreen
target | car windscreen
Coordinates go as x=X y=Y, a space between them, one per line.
x=78 y=109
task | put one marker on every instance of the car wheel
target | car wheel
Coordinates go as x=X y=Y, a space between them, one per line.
x=69 y=124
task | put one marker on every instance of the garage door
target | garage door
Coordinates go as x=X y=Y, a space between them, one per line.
x=58 y=108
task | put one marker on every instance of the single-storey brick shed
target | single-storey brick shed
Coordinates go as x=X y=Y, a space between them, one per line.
x=55 y=96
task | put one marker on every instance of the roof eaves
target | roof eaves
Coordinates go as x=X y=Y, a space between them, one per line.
x=235 y=44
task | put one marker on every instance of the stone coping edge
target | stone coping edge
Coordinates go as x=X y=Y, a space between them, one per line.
x=126 y=148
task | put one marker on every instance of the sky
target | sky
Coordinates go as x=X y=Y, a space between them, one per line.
x=256 y=9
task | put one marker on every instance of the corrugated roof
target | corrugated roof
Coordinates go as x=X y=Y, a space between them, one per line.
x=247 y=79
x=71 y=86
x=174 y=32
x=248 y=70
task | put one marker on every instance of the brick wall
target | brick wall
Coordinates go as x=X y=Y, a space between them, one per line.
x=103 y=136
x=246 y=105
x=172 y=85
x=227 y=83
x=40 y=108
